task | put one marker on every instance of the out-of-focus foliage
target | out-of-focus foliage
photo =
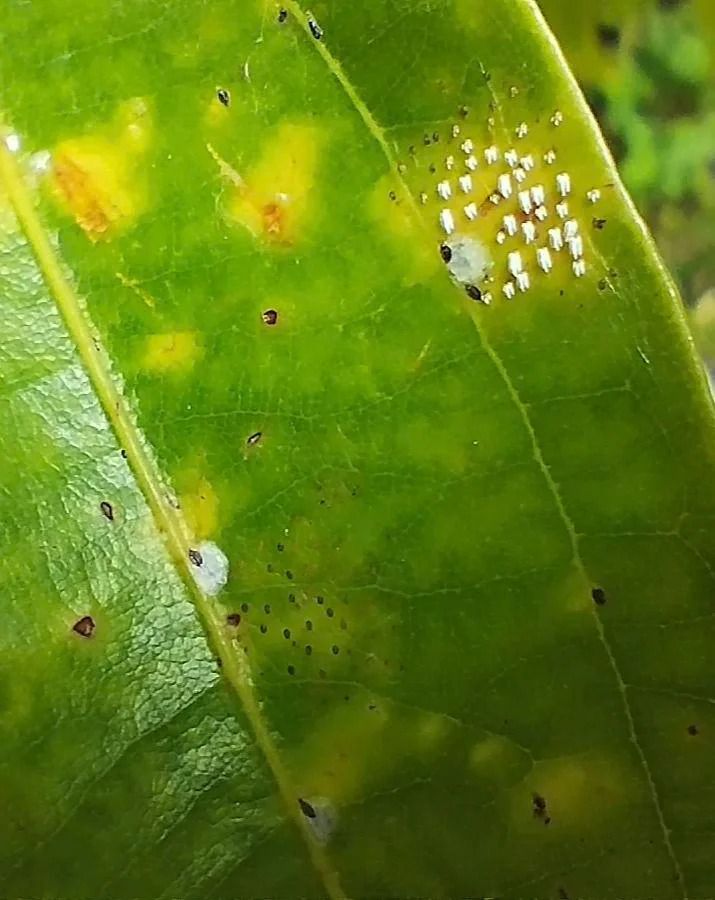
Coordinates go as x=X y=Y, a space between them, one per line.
x=647 y=67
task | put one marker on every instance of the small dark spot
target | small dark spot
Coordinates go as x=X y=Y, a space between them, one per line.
x=196 y=557
x=286 y=633
x=291 y=670
x=267 y=608
x=264 y=629
x=463 y=111
x=269 y=316
x=412 y=150
x=306 y=808
x=244 y=607
x=219 y=662
x=254 y=438
x=445 y=251
x=315 y=29
x=561 y=293
x=124 y=453
x=602 y=284
x=280 y=548
x=223 y=96
x=473 y=292
x=233 y=619
x=329 y=612
x=84 y=626
x=538 y=804
x=308 y=650
x=308 y=625
x=432 y=169
x=282 y=15
x=372 y=706
x=335 y=649
x=599 y=596
x=435 y=137
x=693 y=730
x=107 y=510
x=289 y=575
x=599 y=224
x=269 y=567
x=609 y=35
x=426 y=140
x=291 y=598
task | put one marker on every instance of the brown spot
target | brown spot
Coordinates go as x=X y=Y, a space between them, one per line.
x=233 y=619
x=84 y=626
x=254 y=438
x=306 y=808
x=291 y=670
x=273 y=219
x=107 y=510
x=693 y=730
x=196 y=557
x=599 y=596
x=538 y=805
x=269 y=316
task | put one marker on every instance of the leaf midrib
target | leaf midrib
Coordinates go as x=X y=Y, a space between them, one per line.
x=378 y=134
x=168 y=521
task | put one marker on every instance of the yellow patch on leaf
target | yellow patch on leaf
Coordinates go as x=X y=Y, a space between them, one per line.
x=96 y=176
x=172 y=351
x=200 y=505
x=274 y=199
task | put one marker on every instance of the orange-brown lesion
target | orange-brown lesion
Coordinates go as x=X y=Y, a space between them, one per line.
x=93 y=210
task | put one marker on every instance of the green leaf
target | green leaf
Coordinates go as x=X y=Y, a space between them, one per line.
x=463 y=645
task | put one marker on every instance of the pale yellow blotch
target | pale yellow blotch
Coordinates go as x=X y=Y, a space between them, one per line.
x=137 y=289
x=174 y=351
x=395 y=216
x=200 y=506
x=96 y=177
x=273 y=201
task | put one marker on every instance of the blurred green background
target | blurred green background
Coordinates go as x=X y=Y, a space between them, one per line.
x=647 y=69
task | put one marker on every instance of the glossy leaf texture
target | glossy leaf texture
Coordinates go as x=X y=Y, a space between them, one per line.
x=463 y=646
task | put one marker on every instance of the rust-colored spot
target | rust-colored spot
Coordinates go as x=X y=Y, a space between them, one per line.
x=84 y=626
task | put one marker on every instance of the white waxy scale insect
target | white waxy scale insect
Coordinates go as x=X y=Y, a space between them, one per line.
x=541 y=213
x=563 y=184
x=423 y=198
x=467 y=146
x=446 y=220
x=487 y=298
x=570 y=229
x=513 y=91
x=509 y=290
x=455 y=130
x=562 y=210
x=523 y=281
x=528 y=229
x=543 y=258
x=465 y=182
x=538 y=194
x=522 y=129
x=514 y=263
x=527 y=162
x=491 y=155
x=557 y=118
x=504 y=186
x=579 y=268
x=12 y=142
x=449 y=163
x=576 y=246
x=556 y=238
x=511 y=158
x=471 y=212
x=510 y=225
x=444 y=189
x=519 y=174
x=550 y=157
x=594 y=195
x=525 y=202
x=501 y=237
x=495 y=199
x=471 y=163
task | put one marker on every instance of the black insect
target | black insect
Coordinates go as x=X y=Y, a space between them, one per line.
x=473 y=292
x=282 y=15
x=445 y=251
x=223 y=96
x=315 y=29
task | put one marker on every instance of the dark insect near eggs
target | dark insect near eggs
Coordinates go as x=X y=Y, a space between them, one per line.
x=315 y=29
x=196 y=557
x=223 y=96
x=445 y=251
x=473 y=292
x=282 y=15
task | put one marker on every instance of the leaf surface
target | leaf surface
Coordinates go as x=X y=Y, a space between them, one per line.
x=463 y=645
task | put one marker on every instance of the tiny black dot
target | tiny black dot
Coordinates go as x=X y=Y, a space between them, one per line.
x=463 y=111
x=320 y=600
x=329 y=612
x=269 y=316
x=291 y=670
x=426 y=140
x=286 y=633
x=599 y=596
x=84 y=626
x=282 y=15
x=308 y=625
x=264 y=629
x=244 y=607
x=445 y=251
x=692 y=730
x=335 y=649
x=280 y=548
x=308 y=649
x=599 y=224
x=267 y=608
x=291 y=598
x=609 y=35
x=289 y=575
x=223 y=96
x=392 y=195
x=124 y=453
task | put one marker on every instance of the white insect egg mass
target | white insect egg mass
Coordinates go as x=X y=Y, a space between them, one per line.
x=508 y=221
x=209 y=567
